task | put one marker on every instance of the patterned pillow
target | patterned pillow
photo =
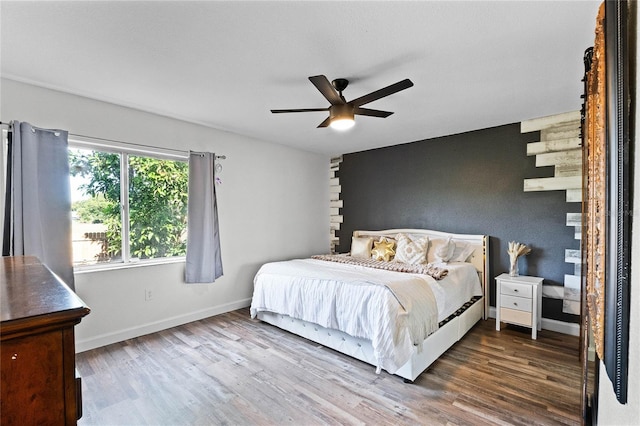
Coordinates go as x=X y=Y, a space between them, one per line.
x=412 y=252
x=361 y=247
x=383 y=250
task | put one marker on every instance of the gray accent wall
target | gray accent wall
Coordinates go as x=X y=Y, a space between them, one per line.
x=469 y=183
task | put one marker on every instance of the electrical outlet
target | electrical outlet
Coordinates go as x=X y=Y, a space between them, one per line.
x=148 y=295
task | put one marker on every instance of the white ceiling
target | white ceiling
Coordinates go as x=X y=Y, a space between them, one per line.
x=225 y=64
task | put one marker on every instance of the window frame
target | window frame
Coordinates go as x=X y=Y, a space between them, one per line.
x=124 y=150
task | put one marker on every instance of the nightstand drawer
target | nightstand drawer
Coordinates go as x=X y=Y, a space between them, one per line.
x=516 y=317
x=514 y=289
x=518 y=303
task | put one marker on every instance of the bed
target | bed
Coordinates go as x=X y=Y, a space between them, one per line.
x=396 y=316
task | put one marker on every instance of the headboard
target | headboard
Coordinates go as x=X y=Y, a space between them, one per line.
x=479 y=258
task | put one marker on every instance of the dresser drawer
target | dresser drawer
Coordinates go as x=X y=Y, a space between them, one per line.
x=517 y=303
x=514 y=289
x=516 y=317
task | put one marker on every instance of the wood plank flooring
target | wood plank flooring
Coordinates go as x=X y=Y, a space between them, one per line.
x=231 y=370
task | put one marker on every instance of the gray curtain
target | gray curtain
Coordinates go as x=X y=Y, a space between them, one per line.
x=37 y=219
x=204 y=261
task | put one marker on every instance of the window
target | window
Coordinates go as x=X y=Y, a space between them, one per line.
x=126 y=206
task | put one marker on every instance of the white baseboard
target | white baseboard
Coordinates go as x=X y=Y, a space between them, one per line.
x=563 y=327
x=153 y=327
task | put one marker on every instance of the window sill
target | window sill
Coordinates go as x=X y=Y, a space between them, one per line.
x=79 y=270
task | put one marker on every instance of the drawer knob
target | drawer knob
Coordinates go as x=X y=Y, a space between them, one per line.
x=515 y=303
x=515 y=290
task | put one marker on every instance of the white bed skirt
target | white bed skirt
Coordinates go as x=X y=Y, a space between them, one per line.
x=434 y=346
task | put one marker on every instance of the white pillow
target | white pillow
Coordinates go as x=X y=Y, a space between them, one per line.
x=361 y=247
x=434 y=243
x=462 y=253
x=444 y=251
x=412 y=252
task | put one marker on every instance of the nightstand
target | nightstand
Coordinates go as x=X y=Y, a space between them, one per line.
x=519 y=301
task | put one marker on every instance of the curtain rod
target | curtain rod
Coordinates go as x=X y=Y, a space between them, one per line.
x=179 y=151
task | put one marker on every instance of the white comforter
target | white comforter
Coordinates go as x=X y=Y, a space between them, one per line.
x=394 y=310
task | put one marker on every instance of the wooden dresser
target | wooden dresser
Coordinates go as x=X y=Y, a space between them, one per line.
x=38 y=383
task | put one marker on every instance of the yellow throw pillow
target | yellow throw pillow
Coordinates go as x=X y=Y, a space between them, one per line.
x=383 y=250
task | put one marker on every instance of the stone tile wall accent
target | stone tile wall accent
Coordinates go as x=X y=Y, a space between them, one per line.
x=335 y=203
x=560 y=146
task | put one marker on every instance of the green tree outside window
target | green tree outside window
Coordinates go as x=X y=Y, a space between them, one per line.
x=157 y=202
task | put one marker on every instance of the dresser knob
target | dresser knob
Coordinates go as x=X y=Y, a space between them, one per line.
x=515 y=303
x=515 y=290
x=14 y=357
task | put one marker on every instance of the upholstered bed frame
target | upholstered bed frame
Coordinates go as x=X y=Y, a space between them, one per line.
x=435 y=345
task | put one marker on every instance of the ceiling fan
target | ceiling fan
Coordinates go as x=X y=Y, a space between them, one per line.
x=341 y=112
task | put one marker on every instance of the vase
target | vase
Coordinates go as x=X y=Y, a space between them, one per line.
x=513 y=269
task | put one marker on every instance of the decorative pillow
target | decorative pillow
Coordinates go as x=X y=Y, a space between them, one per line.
x=412 y=252
x=444 y=251
x=361 y=247
x=462 y=253
x=383 y=250
x=431 y=251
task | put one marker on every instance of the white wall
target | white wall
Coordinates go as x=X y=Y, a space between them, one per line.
x=610 y=412
x=273 y=204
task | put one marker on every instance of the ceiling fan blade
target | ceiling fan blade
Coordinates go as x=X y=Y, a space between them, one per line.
x=326 y=88
x=385 y=91
x=325 y=123
x=278 y=111
x=371 y=112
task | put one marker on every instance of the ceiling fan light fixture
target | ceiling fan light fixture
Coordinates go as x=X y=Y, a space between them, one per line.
x=341 y=112
x=342 y=117
x=342 y=123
